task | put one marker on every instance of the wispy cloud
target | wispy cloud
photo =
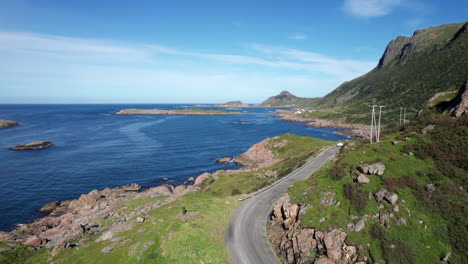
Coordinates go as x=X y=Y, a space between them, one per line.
x=370 y=8
x=414 y=23
x=298 y=36
x=48 y=65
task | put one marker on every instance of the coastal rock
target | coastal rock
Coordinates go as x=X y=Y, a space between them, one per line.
x=179 y=190
x=49 y=207
x=225 y=160
x=128 y=188
x=163 y=190
x=202 y=178
x=258 y=156
x=7 y=123
x=33 y=145
x=33 y=241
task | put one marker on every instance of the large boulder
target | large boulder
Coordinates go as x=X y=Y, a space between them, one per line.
x=377 y=168
x=7 y=123
x=391 y=197
x=33 y=145
x=379 y=195
x=202 y=179
x=333 y=242
x=363 y=168
x=362 y=179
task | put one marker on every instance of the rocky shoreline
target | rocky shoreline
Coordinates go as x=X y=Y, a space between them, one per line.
x=353 y=130
x=67 y=223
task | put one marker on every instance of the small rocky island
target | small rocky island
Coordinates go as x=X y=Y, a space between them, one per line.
x=232 y=104
x=174 y=112
x=33 y=145
x=7 y=123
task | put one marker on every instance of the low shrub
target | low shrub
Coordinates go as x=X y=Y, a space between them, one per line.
x=236 y=191
x=398 y=252
x=358 y=198
x=377 y=231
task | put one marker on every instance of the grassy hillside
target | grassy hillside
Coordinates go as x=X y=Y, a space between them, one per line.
x=410 y=72
x=287 y=99
x=436 y=220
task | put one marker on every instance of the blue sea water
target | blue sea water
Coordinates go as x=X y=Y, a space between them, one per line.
x=95 y=149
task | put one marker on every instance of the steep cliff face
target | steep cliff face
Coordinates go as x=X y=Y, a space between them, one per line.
x=410 y=71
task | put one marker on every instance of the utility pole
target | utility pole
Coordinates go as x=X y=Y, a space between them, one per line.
x=404 y=116
x=380 y=117
x=401 y=113
x=372 y=122
x=375 y=127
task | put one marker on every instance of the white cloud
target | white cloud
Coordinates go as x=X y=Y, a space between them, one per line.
x=370 y=8
x=298 y=36
x=53 y=66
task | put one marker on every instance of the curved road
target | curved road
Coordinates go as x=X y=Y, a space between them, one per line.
x=246 y=235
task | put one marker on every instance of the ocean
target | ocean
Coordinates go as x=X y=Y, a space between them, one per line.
x=95 y=149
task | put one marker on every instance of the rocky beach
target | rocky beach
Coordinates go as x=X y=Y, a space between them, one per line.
x=66 y=223
x=353 y=130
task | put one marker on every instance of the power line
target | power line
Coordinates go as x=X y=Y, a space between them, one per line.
x=375 y=127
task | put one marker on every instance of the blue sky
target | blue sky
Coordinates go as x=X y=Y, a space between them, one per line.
x=198 y=51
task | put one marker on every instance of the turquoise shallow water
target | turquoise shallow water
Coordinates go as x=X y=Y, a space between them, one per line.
x=95 y=149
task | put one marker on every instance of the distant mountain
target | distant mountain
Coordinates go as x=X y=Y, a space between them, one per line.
x=286 y=99
x=232 y=104
x=411 y=70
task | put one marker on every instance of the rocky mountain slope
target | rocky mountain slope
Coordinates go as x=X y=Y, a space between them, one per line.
x=286 y=99
x=411 y=70
x=402 y=200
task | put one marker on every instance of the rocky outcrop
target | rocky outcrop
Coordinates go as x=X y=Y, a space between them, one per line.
x=258 y=156
x=68 y=220
x=33 y=145
x=362 y=179
x=373 y=169
x=304 y=244
x=225 y=160
x=7 y=123
x=458 y=106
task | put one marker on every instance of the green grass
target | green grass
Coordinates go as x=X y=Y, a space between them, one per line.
x=399 y=166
